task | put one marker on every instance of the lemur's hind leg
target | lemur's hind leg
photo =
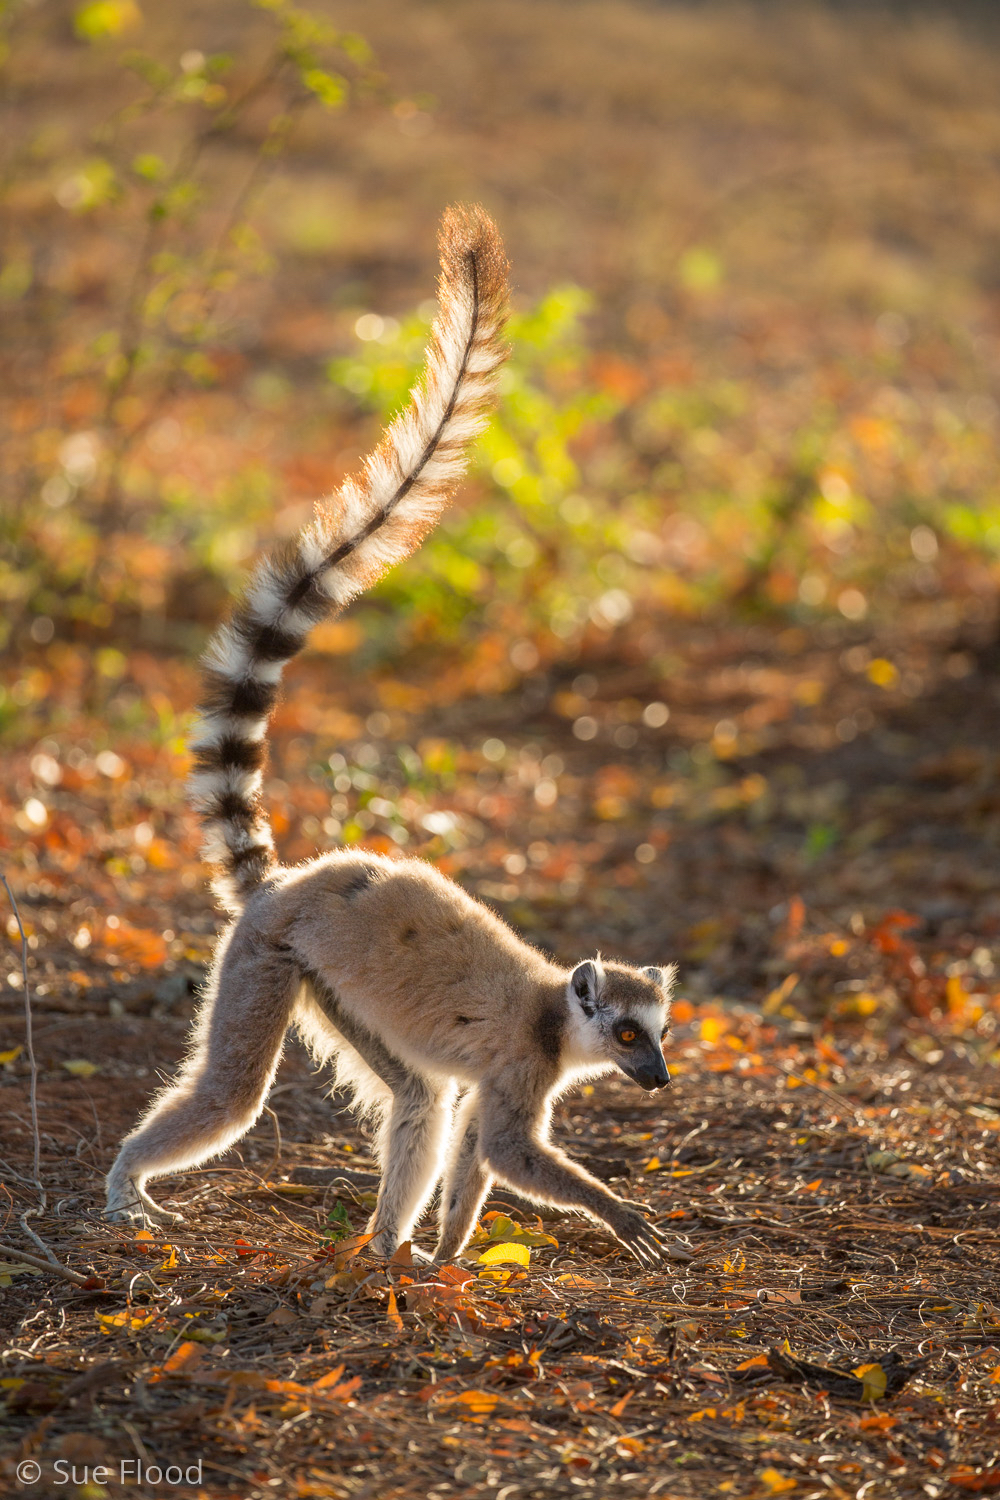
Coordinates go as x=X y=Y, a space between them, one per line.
x=414 y=1148
x=413 y=1141
x=223 y=1083
x=465 y=1184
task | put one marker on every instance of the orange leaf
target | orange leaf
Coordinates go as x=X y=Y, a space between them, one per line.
x=392 y=1312
x=796 y=917
x=976 y=1481
x=184 y=1358
x=619 y=1406
x=877 y=1421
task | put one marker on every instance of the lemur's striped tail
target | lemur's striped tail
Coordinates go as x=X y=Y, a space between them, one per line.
x=376 y=519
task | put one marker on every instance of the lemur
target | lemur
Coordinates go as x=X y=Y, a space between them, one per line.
x=453 y=1032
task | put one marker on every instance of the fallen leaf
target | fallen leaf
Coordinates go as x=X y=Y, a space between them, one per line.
x=281 y=1317
x=507 y=1254
x=775 y=1482
x=873 y=1379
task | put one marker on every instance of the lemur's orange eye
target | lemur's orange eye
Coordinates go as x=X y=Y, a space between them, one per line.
x=626 y=1036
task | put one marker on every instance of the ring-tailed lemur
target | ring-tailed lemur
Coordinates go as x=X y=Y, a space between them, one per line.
x=415 y=990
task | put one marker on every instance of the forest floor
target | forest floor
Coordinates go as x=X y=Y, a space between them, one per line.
x=826 y=1157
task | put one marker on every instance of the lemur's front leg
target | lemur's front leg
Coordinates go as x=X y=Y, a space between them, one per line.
x=519 y=1156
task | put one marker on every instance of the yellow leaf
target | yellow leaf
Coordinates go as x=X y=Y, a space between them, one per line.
x=507 y=1254
x=735 y=1263
x=862 y=1005
x=10 y=1269
x=11 y=1056
x=777 y=997
x=81 y=1068
x=653 y=1165
x=882 y=673
x=873 y=1380
x=956 y=994
x=104 y=18
x=777 y=1484
x=126 y=1319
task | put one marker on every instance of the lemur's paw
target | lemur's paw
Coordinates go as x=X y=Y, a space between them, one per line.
x=640 y=1238
x=141 y=1214
x=126 y=1213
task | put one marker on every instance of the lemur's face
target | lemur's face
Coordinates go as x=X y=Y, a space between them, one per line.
x=622 y=1016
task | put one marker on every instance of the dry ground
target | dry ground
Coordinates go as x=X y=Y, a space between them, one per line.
x=827 y=1156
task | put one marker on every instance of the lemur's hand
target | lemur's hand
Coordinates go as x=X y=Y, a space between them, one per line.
x=641 y=1238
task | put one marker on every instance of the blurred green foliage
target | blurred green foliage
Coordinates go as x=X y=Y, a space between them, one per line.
x=533 y=540
x=670 y=469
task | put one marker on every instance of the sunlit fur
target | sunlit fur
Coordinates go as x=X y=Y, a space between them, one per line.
x=448 y=1029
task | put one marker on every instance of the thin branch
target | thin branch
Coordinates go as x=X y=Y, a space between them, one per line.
x=22 y=1258
x=277 y=1142
x=33 y=1096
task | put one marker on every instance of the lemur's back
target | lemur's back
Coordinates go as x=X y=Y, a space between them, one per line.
x=413 y=954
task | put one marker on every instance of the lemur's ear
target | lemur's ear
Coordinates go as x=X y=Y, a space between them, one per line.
x=586 y=983
x=663 y=977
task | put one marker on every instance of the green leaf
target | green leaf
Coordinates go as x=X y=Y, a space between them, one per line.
x=338 y=1225
x=700 y=269
x=330 y=89
x=150 y=166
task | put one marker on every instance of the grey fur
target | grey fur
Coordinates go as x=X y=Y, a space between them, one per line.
x=412 y=990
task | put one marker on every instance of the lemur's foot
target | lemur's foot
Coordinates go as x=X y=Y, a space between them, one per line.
x=385 y=1246
x=139 y=1209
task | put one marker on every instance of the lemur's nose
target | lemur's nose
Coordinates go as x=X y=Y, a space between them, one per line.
x=660 y=1079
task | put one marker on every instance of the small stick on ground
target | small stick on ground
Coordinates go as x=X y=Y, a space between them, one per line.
x=21 y=1257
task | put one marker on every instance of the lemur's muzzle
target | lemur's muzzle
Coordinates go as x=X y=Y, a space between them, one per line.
x=650 y=1076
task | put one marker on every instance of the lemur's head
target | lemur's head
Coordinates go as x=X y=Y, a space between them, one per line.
x=619 y=1014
